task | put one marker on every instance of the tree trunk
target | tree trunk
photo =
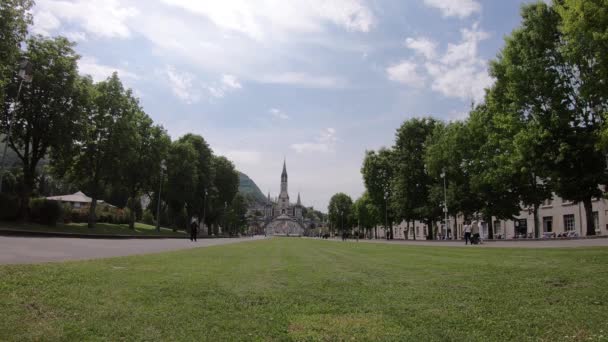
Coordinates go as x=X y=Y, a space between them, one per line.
x=488 y=219
x=536 y=221
x=429 y=225
x=92 y=208
x=390 y=225
x=589 y=215
x=414 y=229
x=376 y=232
x=407 y=230
x=132 y=216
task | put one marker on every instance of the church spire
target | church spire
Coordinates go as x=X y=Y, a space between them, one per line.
x=299 y=202
x=284 y=167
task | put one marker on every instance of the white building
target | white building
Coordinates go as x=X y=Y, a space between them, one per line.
x=556 y=218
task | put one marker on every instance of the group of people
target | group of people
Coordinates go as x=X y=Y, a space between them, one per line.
x=471 y=232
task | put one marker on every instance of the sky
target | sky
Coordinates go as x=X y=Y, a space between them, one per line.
x=314 y=82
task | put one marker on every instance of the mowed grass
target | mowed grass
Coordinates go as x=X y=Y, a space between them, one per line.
x=100 y=229
x=286 y=289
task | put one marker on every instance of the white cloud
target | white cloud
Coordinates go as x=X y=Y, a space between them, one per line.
x=182 y=85
x=303 y=80
x=455 y=8
x=227 y=84
x=406 y=72
x=241 y=157
x=279 y=114
x=256 y=18
x=324 y=143
x=423 y=46
x=107 y=19
x=460 y=72
x=76 y=36
x=99 y=72
x=230 y=82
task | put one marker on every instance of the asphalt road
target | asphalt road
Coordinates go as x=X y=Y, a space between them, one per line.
x=29 y=250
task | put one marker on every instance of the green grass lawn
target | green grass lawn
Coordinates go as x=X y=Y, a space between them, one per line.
x=308 y=290
x=100 y=228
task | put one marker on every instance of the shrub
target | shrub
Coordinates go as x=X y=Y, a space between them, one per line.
x=45 y=212
x=9 y=207
x=79 y=215
x=148 y=218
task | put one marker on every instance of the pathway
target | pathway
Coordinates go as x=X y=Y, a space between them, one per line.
x=28 y=250
x=601 y=242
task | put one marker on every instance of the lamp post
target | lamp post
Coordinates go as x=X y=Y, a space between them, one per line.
x=342 y=222
x=445 y=202
x=163 y=168
x=25 y=74
x=386 y=232
x=205 y=210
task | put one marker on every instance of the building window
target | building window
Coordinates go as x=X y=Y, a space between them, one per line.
x=569 y=222
x=497 y=227
x=547 y=224
x=547 y=202
x=521 y=227
x=417 y=230
x=596 y=220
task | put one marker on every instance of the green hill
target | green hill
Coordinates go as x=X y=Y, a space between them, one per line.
x=250 y=190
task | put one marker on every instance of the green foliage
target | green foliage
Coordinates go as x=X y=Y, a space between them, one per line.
x=15 y=17
x=45 y=212
x=46 y=106
x=340 y=212
x=148 y=218
x=9 y=207
x=366 y=213
x=250 y=190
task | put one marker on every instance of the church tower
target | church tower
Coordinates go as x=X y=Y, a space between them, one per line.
x=298 y=208
x=284 y=196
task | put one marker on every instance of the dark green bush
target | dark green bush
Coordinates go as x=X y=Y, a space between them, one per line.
x=9 y=207
x=45 y=212
x=148 y=218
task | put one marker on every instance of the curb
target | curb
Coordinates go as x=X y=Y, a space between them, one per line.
x=28 y=233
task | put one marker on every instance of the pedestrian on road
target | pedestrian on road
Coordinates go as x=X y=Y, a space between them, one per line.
x=467 y=233
x=193 y=231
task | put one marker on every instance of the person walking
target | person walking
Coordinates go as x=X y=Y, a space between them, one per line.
x=467 y=233
x=193 y=231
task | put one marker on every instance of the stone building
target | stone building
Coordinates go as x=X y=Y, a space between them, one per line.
x=556 y=216
x=281 y=216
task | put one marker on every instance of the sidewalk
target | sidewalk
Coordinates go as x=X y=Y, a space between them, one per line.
x=572 y=243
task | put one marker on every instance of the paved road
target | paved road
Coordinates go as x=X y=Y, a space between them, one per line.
x=28 y=250
x=504 y=243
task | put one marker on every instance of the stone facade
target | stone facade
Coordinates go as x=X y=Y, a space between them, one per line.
x=556 y=217
x=281 y=217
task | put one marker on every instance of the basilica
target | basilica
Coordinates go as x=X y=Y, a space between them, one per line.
x=281 y=216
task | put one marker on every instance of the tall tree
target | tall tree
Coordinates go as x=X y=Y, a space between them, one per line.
x=182 y=179
x=225 y=187
x=450 y=152
x=205 y=174
x=365 y=213
x=413 y=182
x=104 y=135
x=551 y=82
x=14 y=20
x=378 y=175
x=47 y=106
x=340 y=211
x=148 y=145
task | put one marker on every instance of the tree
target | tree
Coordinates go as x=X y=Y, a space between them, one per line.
x=148 y=145
x=550 y=81
x=378 y=176
x=225 y=187
x=236 y=218
x=182 y=180
x=340 y=211
x=14 y=20
x=205 y=174
x=449 y=151
x=413 y=182
x=365 y=213
x=104 y=134
x=48 y=105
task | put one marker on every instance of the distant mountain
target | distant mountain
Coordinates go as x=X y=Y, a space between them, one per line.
x=250 y=190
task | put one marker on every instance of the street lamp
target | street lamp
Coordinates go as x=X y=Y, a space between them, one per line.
x=25 y=74
x=445 y=202
x=163 y=168
x=205 y=210
x=387 y=233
